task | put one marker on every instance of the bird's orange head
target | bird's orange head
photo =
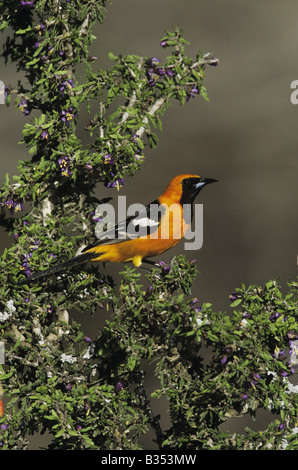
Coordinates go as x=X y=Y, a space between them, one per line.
x=184 y=188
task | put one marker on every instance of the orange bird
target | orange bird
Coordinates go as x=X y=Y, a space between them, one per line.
x=156 y=229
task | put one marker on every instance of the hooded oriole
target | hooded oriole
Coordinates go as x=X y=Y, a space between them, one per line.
x=167 y=226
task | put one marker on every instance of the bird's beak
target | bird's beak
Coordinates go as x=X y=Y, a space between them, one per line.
x=204 y=181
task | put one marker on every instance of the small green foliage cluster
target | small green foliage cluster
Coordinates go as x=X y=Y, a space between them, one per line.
x=91 y=393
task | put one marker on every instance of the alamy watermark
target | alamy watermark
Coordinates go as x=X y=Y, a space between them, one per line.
x=294 y=352
x=294 y=94
x=138 y=220
x=2 y=92
x=2 y=353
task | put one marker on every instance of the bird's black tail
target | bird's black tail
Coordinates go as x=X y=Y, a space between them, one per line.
x=82 y=258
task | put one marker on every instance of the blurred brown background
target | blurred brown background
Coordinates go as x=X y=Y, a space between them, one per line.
x=246 y=136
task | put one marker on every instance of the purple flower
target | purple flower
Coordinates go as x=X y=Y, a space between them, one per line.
x=277 y=353
x=28 y=3
x=67 y=116
x=272 y=317
x=119 y=386
x=170 y=73
x=40 y=27
x=223 y=360
x=244 y=396
x=25 y=265
x=87 y=339
x=291 y=334
x=160 y=71
x=96 y=217
x=165 y=268
x=163 y=43
x=290 y=365
x=233 y=296
x=66 y=84
x=198 y=309
x=118 y=183
x=63 y=163
x=37 y=44
x=135 y=138
x=49 y=309
x=195 y=307
x=35 y=245
x=23 y=106
x=45 y=135
x=149 y=291
x=13 y=206
x=108 y=159
x=68 y=387
x=255 y=379
x=193 y=92
x=154 y=61
x=154 y=72
x=152 y=76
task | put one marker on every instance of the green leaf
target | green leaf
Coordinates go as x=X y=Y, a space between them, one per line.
x=203 y=93
x=236 y=302
x=23 y=31
x=112 y=56
x=32 y=149
x=41 y=119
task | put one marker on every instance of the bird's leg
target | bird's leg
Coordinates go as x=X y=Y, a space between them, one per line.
x=146 y=269
x=149 y=261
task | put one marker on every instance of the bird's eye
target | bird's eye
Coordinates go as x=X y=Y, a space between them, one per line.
x=187 y=181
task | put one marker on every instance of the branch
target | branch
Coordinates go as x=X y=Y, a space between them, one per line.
x=152 y=111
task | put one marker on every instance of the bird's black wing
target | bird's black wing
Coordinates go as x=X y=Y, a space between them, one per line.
x=145 y=222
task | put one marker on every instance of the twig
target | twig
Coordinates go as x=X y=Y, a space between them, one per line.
x=152 y=111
